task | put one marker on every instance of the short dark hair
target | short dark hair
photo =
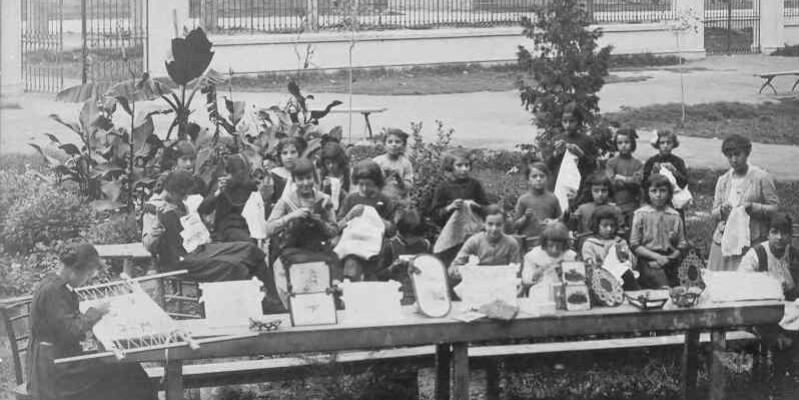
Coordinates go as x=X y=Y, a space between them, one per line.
x=630 y=133
x=736 y=142
x=658 y=180
x=666 y=134
x=555 y=232
x=410 y=223
x=782 y=222
x=298 y=143
x=367 y=169
x=179 y=182
x=302 y=167
x=529 y=167
x=603 y=212
x=77 y=256
x=493 y=209
x=398 y=133
x=448 y=162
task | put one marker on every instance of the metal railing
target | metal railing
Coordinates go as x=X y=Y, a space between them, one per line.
x=289 y=16
x=792 y=9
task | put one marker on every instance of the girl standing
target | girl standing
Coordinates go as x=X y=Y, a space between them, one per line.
x=538 y=207
x=626 y=174
x=397 y=168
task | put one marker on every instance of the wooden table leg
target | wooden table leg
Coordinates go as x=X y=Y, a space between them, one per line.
x=368 y=124
x=460 y=371
x=127 y=267
x=442 y=371
x=690 y=364
x=173 y=376
x=718 y=342
x=493 y=376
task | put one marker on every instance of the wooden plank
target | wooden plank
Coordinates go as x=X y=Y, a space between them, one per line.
x=361 y=110
x=781 y=73
x=443 y=364
x=126 y=250
x=717 y=375
x=414 y=330
x=173 y=380
x=493 y=375
x=460 y=370
x=690 y=364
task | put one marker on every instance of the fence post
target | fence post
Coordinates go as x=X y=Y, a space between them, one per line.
x=772 y=25
x=11 y=85
x=160 y=32
x=312 y=13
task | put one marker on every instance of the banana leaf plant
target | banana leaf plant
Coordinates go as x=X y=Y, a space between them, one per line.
x=187 y=67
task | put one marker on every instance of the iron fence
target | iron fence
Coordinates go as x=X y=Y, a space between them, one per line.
x=42 y=45
x=792 y=9
x=285 y=16
x=732 y=26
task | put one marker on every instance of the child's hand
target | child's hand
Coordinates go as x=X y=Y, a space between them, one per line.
x=455 y=205
x=669 y=167
x=472 y=204
x=575 y=149
x=661 y=260
x=725 y=210
x=300 y=213
x=356 y=212
x=222 y=185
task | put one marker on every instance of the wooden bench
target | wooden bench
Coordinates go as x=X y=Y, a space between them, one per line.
x=127 y=252
x=363 y=111
x=16 y=313
x=769 y=76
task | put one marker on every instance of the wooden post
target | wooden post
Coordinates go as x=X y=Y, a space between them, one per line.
x=717 y=376
x=493 y=376
x=460 y=371
x=690 y=364
x=442 y=371
x=173 y=375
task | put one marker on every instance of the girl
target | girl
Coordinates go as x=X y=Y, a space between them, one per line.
x=186 y=155
x=289 y=149
x=576 y=141
x=408 y=242
x=604 y=225
x=657 y=236
x=397 y=168
x=58 y=326
x=626 y=174
x=228 y=201
x=666 y=143
x=491 y=247
x=542 y=265
x=369 y=180
x=537 y=208
x=334 y=166
x=746 y=187
x=457 y=191
x=208 y=263
x=303 y=222
x=600 y=188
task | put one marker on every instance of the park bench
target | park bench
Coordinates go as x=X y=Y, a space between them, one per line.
x=366 y=112
x=769 y=77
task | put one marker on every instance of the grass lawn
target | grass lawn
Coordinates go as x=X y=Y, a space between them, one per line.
x=425 y=80
x=771 y=122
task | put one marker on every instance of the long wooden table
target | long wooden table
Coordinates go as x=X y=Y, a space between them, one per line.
x=452 y=338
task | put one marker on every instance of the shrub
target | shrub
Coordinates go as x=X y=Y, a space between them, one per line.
x=47 y=215
x=117 y=228
x=19 y=275
x=642 y=60
x=15 y=184
x=426 y=160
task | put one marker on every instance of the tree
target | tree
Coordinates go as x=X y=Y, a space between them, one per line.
x=566 y=65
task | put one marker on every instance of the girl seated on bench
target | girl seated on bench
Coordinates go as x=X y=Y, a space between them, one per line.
x=491 y=247
x=209 y=262
x=227 y=203
x=58 y=326
x=604 y=225
x=542 y=265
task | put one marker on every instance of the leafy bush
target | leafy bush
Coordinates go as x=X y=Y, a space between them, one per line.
x=118 y=228
x=426 y=159
x=642 y=60
x=19 y=275
x=42 y=217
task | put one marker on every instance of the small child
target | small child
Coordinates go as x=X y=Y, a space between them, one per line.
x=657 y=236
x=458 y=190
x=492 y=247
x=666 y=143
x=626 y=173
x=604 y=225
x=334 y=171
x=542 y=265
x=368 y=179
x=397 y=168
x=600 y=188
x=534 y=210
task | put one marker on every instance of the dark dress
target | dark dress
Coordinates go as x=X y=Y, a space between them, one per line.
x=447 y=191
x=57 y=326
x=212 y=262
x=229 y=224
x=681 y=176
x=586 y=164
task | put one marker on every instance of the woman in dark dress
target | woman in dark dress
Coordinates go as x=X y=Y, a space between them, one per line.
x=227 y=202
x=58 y=326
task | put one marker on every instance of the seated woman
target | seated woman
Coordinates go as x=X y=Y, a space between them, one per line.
x=491 y=247
x=303 y=223
x=780 y=260
x=209 y=262
x=368 y=178
x=58 y=326
x=227 y=203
